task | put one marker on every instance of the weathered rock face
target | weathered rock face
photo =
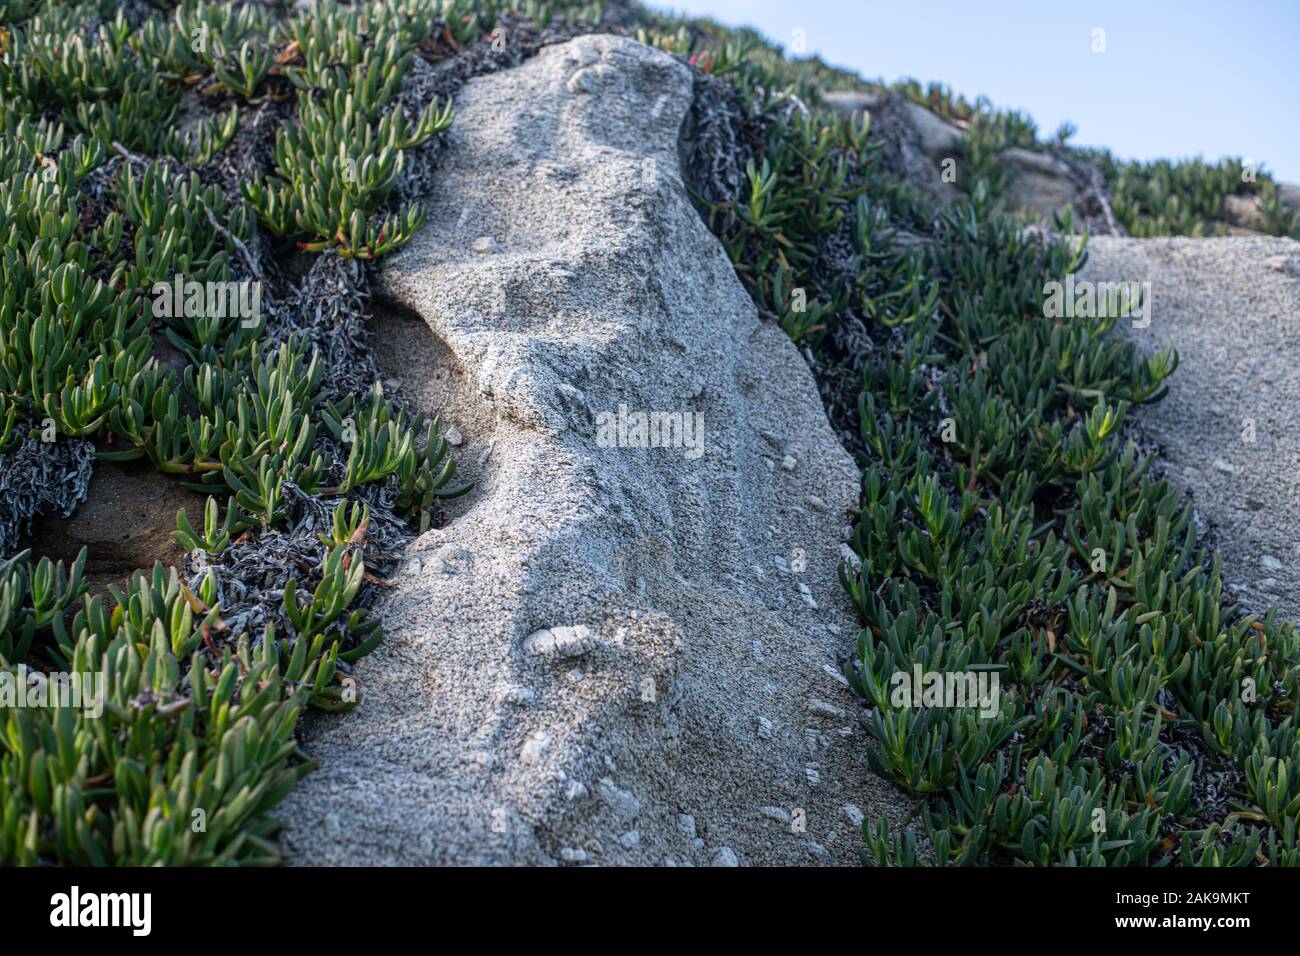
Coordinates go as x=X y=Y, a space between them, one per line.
x=612 y=654
x=1039 y=182
x=1245 y=214
x=1289 y=193
x=1231 y=307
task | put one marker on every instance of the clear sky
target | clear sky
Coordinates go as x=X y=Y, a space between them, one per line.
x=1176 y=80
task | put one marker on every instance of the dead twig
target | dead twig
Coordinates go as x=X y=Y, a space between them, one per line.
x=236 y=242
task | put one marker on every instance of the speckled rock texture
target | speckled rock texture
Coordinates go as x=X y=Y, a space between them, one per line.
x=1227 y=430
x=611 y=654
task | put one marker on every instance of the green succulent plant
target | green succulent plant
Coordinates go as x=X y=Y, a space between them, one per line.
x=337 y=170
x=195 y=744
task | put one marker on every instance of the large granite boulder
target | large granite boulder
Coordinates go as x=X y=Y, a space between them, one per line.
x=612 y=653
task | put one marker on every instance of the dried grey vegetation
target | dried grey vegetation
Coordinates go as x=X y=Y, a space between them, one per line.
x=253 y=571
x=41 y=478
x=713 y=146
x=329 y=309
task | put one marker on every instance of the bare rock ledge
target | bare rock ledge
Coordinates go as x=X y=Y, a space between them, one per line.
x=1227 y=429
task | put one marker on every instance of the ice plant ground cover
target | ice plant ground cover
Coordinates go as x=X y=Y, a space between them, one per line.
x=311 y=475
x=1007 y=524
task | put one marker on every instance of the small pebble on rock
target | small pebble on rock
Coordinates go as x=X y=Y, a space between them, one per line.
x=724 y=856
x=516 y=694
x=560 y=643
x=535 y=747
x=824 y=709
x=576 y=790
x=835 y=674
x=624 y=804
x=850 y=557
x=818 y=851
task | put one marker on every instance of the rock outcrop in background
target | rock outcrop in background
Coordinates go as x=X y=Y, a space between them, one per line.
x=917 y=143
x=611 y=654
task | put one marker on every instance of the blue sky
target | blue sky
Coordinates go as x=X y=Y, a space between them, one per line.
x=1176 y=79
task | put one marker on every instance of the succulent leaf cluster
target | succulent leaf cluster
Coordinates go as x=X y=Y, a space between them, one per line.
x=337 y=166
